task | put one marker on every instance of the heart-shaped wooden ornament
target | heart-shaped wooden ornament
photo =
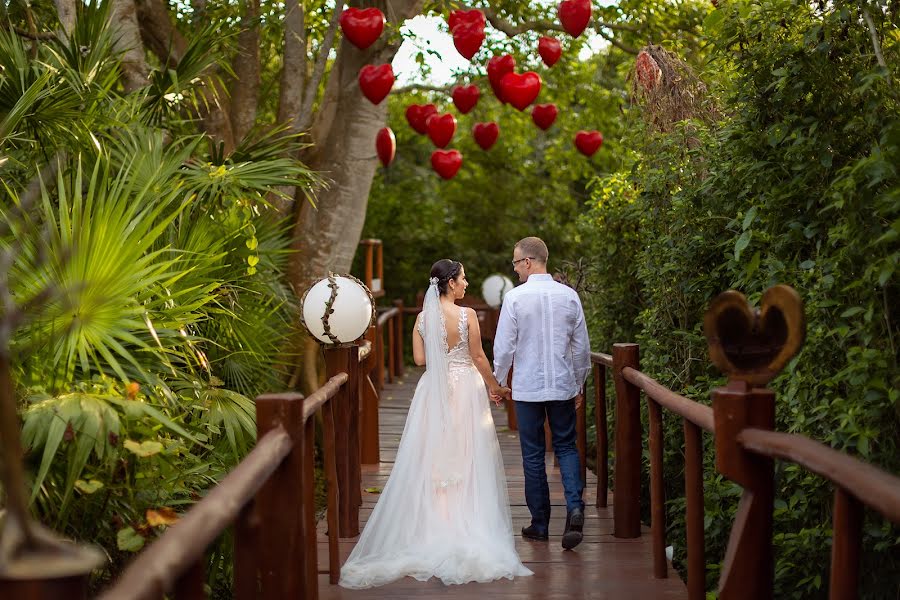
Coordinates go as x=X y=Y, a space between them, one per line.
x=497 y=67
x=376 y=82
x=468 y=37
x=544 y=115
x=385 y=145
x=441 y=129
x=465 y=97
x=486 y=134
x=362 y=26
x=574 y=15
x=417 y=116
x=550 y=50
x=754 y=345
x=520 y=90
x=446 y=163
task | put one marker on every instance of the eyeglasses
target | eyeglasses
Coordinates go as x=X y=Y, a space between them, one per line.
x=515 y=262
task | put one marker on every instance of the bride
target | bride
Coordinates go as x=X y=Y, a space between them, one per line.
x=444 y=511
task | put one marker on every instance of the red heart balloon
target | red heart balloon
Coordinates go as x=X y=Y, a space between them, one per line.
x=485 y=134
x=550 y=50
x=544 y=115
x=468 y=37
x=446 y=162
x=465 y=97
x=521 y=90
x=362 y=26
x=497 y=67
x=417 y=116
x=465 y=16
x=574 y=15
x=385 y=145
x=441 y=129
x=376 y=82
x=588 y=142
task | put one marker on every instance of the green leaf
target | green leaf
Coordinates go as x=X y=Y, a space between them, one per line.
x=852 y=311
x=252 y=243
x=253 y=260
x=144 y=449
x=373 y=490
x=742 y=242
x=88 y=487
x=807 y=264
x=749 y=217
x=129 y=540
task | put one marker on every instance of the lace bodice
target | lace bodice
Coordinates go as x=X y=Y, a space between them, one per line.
x=458 y=356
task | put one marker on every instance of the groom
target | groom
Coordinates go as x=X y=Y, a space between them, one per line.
x=542 y=331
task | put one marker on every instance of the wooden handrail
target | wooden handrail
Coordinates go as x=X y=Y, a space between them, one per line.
x=364 y=350
x=599 y=358
x=387 y=315
x=322 y=395
x=696 y=413
x=160 y=565
x=871 y=486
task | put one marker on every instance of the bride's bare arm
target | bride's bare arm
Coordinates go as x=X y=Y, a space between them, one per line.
x=418 y=344
x=478 y=356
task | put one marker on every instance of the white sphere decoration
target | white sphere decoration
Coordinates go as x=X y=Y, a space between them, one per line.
x=494 y=288
x=352 y=310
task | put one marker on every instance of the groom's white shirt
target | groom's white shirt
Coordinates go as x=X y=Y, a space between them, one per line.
x=542 y=331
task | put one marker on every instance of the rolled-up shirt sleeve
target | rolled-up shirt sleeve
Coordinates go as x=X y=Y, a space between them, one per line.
x=581 y=346
x=505 y=341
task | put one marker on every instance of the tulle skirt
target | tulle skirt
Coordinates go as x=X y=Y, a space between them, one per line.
x=444 y=511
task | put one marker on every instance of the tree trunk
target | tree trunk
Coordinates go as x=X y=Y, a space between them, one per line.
x=65 y=10
x=293 y=69
x=245 y=87
x=326 y=237
x=128 y=41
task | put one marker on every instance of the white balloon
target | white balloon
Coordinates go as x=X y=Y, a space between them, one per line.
x=494 y=288
x=352 y=310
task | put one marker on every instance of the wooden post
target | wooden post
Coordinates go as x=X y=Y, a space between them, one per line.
x=368 y=265
x=378 y=359
x=346 y=360
x=581 y=437
x=246 y=570
x=332 y=491
x=657 y=491
x=398 y=338
x=748 y=568
x=693 y=493
x=45 y=589
x=390 y=351
x=280 y=503
x=846 y=522
x=627 y=496
x=602 y=434
x=379 y=264
x=310 y=573
x=190 y=585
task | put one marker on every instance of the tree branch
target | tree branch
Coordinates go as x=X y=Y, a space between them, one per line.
x=422 y=87
x=42 y=35
x=312 y=86
x=541 y=25
x=246 y=68
x=293 y=66
x=874 y=35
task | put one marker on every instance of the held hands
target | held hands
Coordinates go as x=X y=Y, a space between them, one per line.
x=499 y=394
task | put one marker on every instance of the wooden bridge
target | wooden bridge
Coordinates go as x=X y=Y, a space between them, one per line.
x=603 y=566
x=281 y=551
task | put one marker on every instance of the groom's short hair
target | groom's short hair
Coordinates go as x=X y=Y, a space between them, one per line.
x=535 y=248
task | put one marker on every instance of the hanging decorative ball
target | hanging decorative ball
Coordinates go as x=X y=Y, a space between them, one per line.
x=386 y=145
x=362 y=26
x=486 y=134
x=494 y=288
x=588 y=142
x=376 y=82
x=417 y=116
x=446 y=163
x=465 y=97
x=337 y=309
x=550 y=50
x=574 y=15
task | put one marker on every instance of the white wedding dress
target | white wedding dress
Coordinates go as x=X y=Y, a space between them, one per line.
x=444 y=511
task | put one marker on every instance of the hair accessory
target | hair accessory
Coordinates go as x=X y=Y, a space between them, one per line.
x=433 y=280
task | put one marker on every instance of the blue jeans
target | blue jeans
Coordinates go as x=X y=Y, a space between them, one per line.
x=561 y=414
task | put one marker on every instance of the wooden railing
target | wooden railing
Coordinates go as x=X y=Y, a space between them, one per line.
x=741 y=420
x=271 y=494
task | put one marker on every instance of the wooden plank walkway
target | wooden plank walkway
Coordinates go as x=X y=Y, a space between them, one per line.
x=602 y=567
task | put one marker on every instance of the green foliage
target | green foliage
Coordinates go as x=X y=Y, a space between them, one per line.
x=799 y=185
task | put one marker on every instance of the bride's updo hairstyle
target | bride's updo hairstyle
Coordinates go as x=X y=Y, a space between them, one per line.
x=445 y=270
